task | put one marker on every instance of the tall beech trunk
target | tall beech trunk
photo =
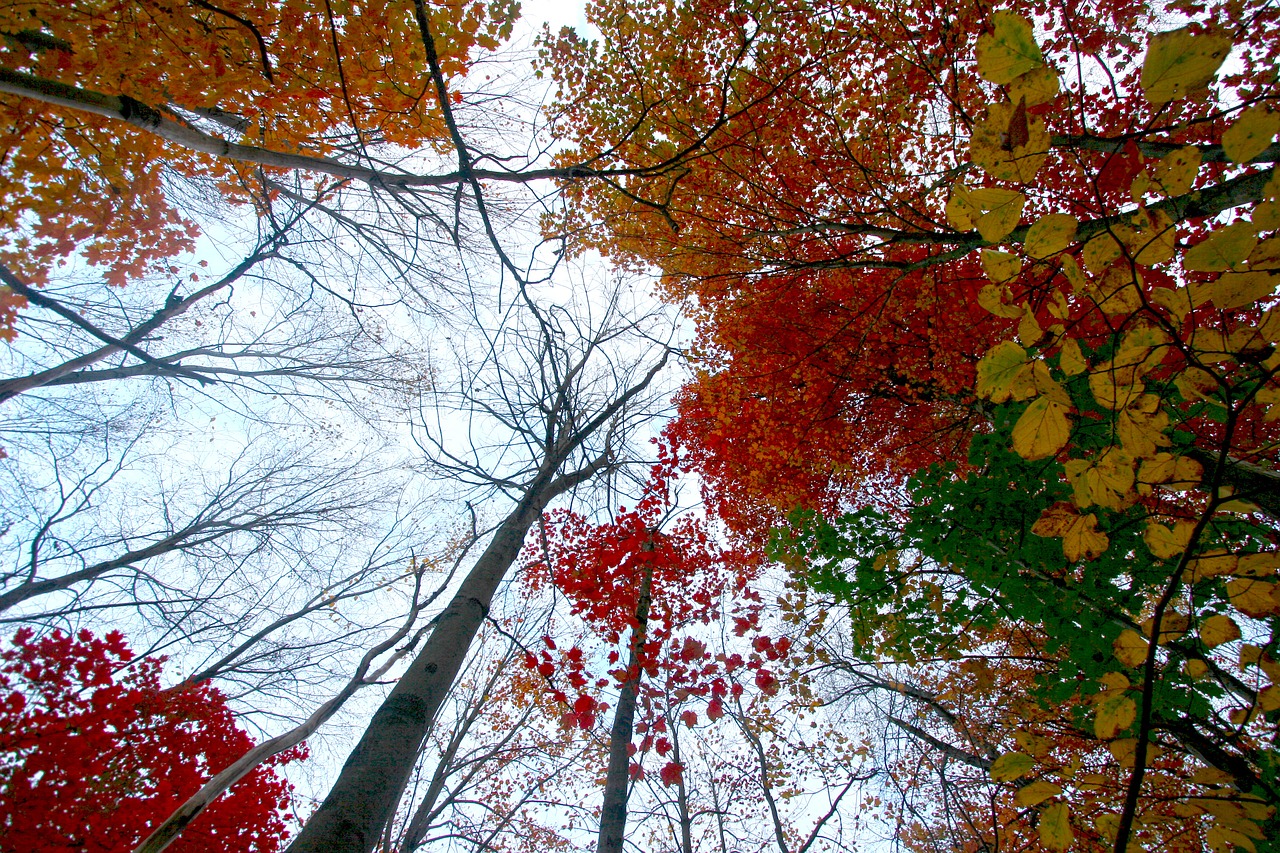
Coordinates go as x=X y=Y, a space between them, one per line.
x=613 y=814
x=364 y=799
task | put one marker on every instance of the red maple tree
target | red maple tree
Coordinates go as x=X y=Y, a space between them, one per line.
x=93 y=752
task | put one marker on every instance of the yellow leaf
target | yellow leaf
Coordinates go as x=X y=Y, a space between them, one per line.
x=962 y=213
x=1111 y=390
x=1009 y=50
x=1260 y=565
x=1251 y=134
x=1196 y=668
x=1151 y=238
x=1221 y=250
x=1036 y=793
x=1119 y=291
x=1042 y=430
x=1000 y=267
x=1266 y=216
x=1267 y=255
x=1093 y=782
x=1235 y=290
x=1130 y=648
x=1176 y=300
x=1172 y=626
x=1079 y=533
x=1177 y=170
x=1235 y=813
x=1218 y=629
x=1004 y=209
x=1116 y=712
x=1141 y=433
x=1050 y=235
x=1179 y=62
x=1075 y=276
x=1197 y=384
x=1165 y=543
x=1107 y=824
x=1211 y=565
x=1269 y=698
x=1253 y=597
x=1122 y=751
x=1222 y=839
x=1010 y=766
x=1100 y=252
x=1113 y=681
x=1243 y=716
x=1029 y=331
x=1047 y=385
x=1038 y=86
x=1055 y=827
x=1105 y=480
x=1071 y=360
x=991 y=297
x=990 y=149
x=1003 y=374
x=1033 y=744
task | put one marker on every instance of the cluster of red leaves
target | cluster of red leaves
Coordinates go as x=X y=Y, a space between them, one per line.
x=858 y=383
x=600 y=570
x=94 y=753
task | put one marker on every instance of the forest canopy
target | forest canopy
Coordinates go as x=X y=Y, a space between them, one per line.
x=345 y=373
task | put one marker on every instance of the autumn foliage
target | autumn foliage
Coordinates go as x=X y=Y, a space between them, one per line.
x=94 y=752
x=283 y=77
x=1009 y=276
x=691 y=581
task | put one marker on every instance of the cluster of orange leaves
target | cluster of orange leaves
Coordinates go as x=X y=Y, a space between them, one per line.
x=287 y=76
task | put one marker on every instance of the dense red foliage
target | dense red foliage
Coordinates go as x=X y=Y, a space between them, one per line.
x=600 y=569
x=94 y=753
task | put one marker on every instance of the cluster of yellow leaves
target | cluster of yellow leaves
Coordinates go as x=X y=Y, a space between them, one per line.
x=1214 y=358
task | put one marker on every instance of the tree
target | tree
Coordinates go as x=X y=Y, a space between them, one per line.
x=1067 y=281
x=276 y=75
x=629 y=575
x=555 y=433
x=92 y=750
x=864 y=375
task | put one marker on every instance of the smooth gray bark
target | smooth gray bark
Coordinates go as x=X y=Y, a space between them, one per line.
x=363 y=801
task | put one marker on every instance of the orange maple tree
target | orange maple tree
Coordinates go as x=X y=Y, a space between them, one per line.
x=105 y=104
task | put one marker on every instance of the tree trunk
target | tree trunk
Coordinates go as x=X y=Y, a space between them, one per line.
x=613 y=814
x=363 y=800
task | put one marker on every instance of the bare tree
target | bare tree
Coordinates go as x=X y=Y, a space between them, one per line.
x=549 y=407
